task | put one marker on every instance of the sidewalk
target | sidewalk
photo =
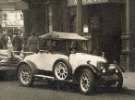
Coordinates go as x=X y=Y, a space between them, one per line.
x=129 y=80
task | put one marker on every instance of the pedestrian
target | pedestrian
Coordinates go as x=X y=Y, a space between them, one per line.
x=4 y=39
x=18 y=42
x=33 y=43
x=9 y=47
x=0 y=39
x=7 y=43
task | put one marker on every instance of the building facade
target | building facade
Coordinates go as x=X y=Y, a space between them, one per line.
x=110 y=23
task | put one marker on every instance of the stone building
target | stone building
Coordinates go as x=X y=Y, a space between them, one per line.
x=110 y=23
x=37 y=16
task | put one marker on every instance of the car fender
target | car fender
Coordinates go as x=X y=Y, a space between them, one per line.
x=120 y=68
x=78 y=70
x=31 y=65
x=91 y=67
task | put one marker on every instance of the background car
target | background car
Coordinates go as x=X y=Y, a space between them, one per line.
x=65 y=58
x=9 y=61
x=8 y=64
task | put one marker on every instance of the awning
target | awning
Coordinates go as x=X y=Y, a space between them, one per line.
x=13 y=5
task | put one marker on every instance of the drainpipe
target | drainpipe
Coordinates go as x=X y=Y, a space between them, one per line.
x=128 y=32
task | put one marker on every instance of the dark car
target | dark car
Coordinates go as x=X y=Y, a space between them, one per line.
x=8 y=64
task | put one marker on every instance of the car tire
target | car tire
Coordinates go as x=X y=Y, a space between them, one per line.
x=120 y=81
x=87 y=81
x=61 y=71
x=25 y=75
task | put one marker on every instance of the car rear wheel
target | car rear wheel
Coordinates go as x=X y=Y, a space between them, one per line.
x=25 y=75
x=61 y=71
x=86 y=81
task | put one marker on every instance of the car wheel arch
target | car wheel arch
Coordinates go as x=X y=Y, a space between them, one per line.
x=81 y=67
x=30 y=64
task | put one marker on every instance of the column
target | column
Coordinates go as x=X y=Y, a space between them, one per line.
x=79 y=17
x=125 y=37
x=50 y=14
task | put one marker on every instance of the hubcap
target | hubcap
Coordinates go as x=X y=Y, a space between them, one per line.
x=61 y=71
x=25 y=75
x=84 y=82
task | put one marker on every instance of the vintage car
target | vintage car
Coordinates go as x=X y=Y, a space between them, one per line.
x=65 y=58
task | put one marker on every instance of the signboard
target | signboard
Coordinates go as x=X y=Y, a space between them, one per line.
x=85 y=29
x=7 y=1
x=13 y=5
x=87 y=2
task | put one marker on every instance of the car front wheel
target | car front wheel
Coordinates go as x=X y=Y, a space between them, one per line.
x=25 y=76
x=86 y=81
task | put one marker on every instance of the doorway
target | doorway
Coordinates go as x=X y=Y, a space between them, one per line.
x=104 y=22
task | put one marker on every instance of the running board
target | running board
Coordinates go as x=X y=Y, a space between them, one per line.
x=50 y=77
x=44 y=76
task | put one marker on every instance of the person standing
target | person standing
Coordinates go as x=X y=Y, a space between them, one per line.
x=4 y=39
x=33 y=43
x=9 y=47
x=18 y=42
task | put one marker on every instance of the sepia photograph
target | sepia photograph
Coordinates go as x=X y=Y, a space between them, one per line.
x=67 y=50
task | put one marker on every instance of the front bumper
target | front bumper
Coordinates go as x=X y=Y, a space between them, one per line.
x=108 y=78
x=109 y=74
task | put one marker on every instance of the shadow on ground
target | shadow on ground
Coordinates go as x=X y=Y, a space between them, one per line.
x=72 y=88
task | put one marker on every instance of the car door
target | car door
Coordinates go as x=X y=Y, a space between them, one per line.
x=43 y=61
x=74 y=60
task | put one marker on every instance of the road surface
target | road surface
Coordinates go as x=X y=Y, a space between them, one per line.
x=11 y=90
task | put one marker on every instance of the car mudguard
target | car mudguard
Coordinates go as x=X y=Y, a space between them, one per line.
x=88 y=66
x=31 y=65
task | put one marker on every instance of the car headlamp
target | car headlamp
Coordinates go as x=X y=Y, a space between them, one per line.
x=101 y=65
x=112 y=66
x=104 y=71
x=116 y=71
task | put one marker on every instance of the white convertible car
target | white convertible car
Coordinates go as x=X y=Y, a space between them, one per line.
x=64 y=57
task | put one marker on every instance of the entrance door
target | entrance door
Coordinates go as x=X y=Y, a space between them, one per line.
x=105 y=26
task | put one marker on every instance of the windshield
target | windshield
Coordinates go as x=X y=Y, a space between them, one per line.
x=78 y=46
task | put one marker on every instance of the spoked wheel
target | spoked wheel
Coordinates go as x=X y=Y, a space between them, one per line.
x=61 y=71
x=86 y=81
x=25 y=75
x=120 y=81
